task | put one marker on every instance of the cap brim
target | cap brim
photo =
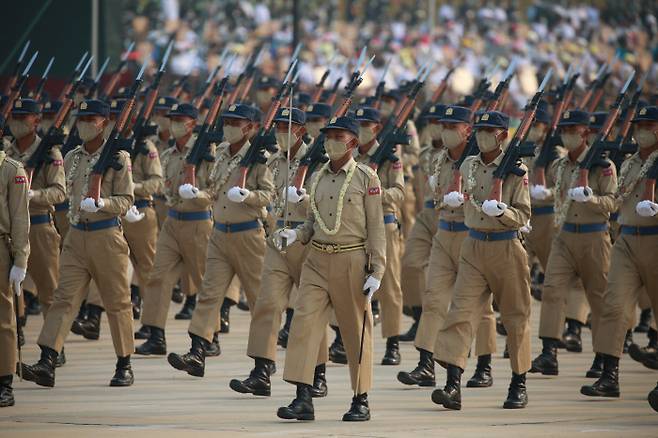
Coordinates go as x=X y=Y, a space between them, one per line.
x=488 y=125
x=88 y=113
x=452 y=121
x=643 y=119
x=179 y=114
x=234 y=116
x=563 y=124
x=365 y=119
x=286 y=120
x=23 y=112
x=328 y=128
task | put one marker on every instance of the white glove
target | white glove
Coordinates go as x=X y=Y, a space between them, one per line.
x=92 y=206
x=527 y=228
x=237 y=194
x=453 y=199
x=539 y=192
x=188 y=191
x=580 y=194
x=133 y=215
x=433 y=182
x=646 y=208
x=493 y=208
x=295 y=196
x=16 y=277
x=30 y=194
x=287 y=233
x=371 y=286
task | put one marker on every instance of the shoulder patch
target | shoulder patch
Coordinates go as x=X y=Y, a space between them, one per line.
x=397 y=165
x=374 y=191
x=607 y=171
x=20 y=179
x=153 y=155
x=57 y=163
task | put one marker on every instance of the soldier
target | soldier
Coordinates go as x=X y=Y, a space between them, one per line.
x=632 y=264
x=492 y=261
x=345 y=229
x=237 y=243
x=281 y=269
x=162 y=142
x=266 y=87
x=581 y=248
x=183 y=240
x=317 y=116
x=392 y=181
x=14 y=253
x=94 y=249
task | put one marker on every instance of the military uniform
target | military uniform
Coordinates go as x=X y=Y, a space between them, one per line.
x=410 y=154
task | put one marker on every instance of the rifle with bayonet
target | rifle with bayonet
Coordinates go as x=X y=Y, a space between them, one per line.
x=443 y=86
x=210 y=82
x=250 y=76
x=593 y=86
x=178 y=85
x=15 y=93
x=97 y=80
x=116 y=74
x=381 y=86
x=17 y=69
x=317 y=92
x=76 y=71
x=36 y=94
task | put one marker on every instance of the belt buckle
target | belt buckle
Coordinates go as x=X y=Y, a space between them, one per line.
x=636 y=231
x=227 y=228
x=330 y=248
x=487 y=236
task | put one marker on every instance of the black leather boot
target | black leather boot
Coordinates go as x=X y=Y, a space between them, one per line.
x=6 y=391
x=243 y=304
x=651 y=361
x=123 y=375
x=482 y=377
x=224 y=315
x=188 y=308
x=639 y=354
x=653 y=398
x=596 y=370
x=628 y=341
x=423 y=374
x=143 y=333
x=376 y=314
x=450 y=396
x=546 y=363
x=608 y=383
x=155 y=345
x=214 y=349
x=76 y=326
x=177 y=295
x=91 y=327
x=500 y=328
x=337 y=349
x=258 y=382
x=410 y=335
x=61 y=359
x=194 y=362
x=537 y=286
x=572 y=336
x=392 y=354
x=644 y=324
x=282 y=338
x=136 y=299
x=517 y=396
x=32 y=306
x=43 y=372
x=319 y=388
x=301 y=407
x=359 y=409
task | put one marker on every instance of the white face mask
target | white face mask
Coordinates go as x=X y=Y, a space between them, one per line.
x=386 y=108
x=313 y=128
x=233 y=134
x=435 y=131
x=487 y=141
x=571 y=141
x=282 y=139
x=645 y=138
x=451 y=138
x=535 y=134
x=19 y=128
x=336 y=149
x=88 y=130
x=162 y=122
x=178 y=129
x=108 y=129
x=366 y=135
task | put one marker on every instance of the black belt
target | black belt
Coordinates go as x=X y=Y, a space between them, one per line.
x=452 y=226
x=493 y=236
x=539 y=211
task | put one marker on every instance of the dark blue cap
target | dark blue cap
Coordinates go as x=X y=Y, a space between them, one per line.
x=93 y=107
x=258 y=114
x=268 y=82
x=456 y=114
x=122 y=92
x=434 y=112
x=574 y=117
x=302 y=99
x=116 y=105
x=647 y=114
x=165 y=103
x=241 y=111
x=85 y=83
x=318 y=109
x=597 y=119
x=183 y=109
x=367 y=114
x=493 y=119
x=345 y=123
x=391 y=94
x=26 y=106
x=51 y=107
x=467 y=100
x=284 y=115
x=543 y=115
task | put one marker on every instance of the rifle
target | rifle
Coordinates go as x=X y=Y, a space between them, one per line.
x=515 y=151
x=76 y=71
x=599 y=90
x=36 y=94
x=41 y=154
x=317 y=93
x=315 y=154
x=15 y=93
x=381 y=85
x=178 y=85
x=97 y=79
x=116 y=74
x=592 y=87
x=114 y=143
x=482 y=88
x=250 y=74
x=595 y=154
x=210 y=82
x=443 y=86
x=19 y=65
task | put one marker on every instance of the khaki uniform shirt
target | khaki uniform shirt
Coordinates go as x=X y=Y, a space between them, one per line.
x=277 y=165
x=445 y=174
x=627 y=214
x=49 y=183
x=147 y=172
x=549 y=176
x=391 y=177
x=14 y=216
x=362 y=215
x=515 y=194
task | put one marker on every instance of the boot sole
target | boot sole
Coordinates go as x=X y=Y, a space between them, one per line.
x=550 y=372
x=150 y=353
x=439 y=398
x=509 y=405
x=31 y=377
x=93 y=337
x=586 y=390
x=653 y=400
x=390 y=362
x=6 y=404
x=182 y=317
x=175 y=362
x=237 y=386
x=574 y=348
x=636 y=354
x=116 y=383
x=356 y=419
x=592 y=375
x=283 y=413
x=478 y=384
x=407 y=380
x=338 y=361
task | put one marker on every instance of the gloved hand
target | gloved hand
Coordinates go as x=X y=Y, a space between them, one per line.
x=646 y=208
x=30 y=194
x=580 y=194
x=287 y=233
x=16 y=277
x=539 y=192
x=527 y=228
x=433 y=181
x=133 y=215
x=494 y=208
x=295 y=196
x=237 y=194
x=371 y=286
x=188 y=191
x=91 y=206
x=453 y=199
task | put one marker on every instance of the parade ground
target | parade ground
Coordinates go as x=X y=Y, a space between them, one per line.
x=167 y=403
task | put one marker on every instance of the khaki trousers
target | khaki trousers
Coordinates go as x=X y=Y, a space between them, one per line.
x=408 y=210
x=103 y=256
x=416 y=257
x=142 y=237
x=160 y=205
x=583 y=255
x=441 y=277
x=229 y=254
x=181 y=246
x=499 y=268
x=330 y=281
x=8 y=341
x=390 y=292
x=632 y=266
x=43 y=264
x=62 y=224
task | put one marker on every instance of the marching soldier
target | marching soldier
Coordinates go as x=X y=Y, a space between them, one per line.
x=14 y=253
x=317 y=116
x=492 y=261
x=582 y=245
x=281 y=269
x=392 y=181
x=237 y=243
x=343 y=269
x=94 y=249
x=163 y=141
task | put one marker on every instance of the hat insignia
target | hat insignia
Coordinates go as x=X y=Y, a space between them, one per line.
x=174 y=107
x=448 y=111
x=18 y=104
x=432 y=110
x=47 y=105
x=285 y=112
x=333 y=120
x=162 y=100
x=643 y=111
x=114 y=104
x=83 y=106
x=566 y=115
x=359 y=112
x=485 y=117
x=232 y=108
x=309 y=109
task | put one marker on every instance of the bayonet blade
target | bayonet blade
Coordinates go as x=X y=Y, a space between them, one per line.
x=290 y=70
x=628 y=82
x=141 y=71
x=640 y=84
x=29 y=64
x=365 y=68
x=23 y=52
x=295 y=53
x=547 y=79
x=259 y=57
x=568 y=74
x=223 y=56
x=84 y=70
x=229 y=65
x=165 y=58
x=213 y=73
x=127 y=52
x=47 y=70
x=510 y=69
x=82 y=60
x=360 y=59
x=102 y=70
x=386 y=67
